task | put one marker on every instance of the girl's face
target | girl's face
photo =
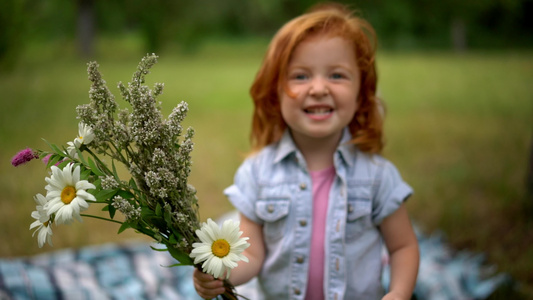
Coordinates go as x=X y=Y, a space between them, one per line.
x=324 y=78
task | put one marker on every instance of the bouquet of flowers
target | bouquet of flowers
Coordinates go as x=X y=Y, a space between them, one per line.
x=155 y=198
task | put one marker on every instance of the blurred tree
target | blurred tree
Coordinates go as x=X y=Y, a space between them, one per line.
x=529 y=177
x=467 y=18
x=86 y=27
x=400 y=24
x=154 y=18
x=12 y=32
x=52 y=20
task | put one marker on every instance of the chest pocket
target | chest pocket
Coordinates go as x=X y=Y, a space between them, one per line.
x=274 y=214
x=359 y=211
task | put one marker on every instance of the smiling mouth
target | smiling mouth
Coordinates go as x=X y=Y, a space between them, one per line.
x=318 y=110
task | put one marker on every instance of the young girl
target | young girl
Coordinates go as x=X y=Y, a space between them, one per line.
x=316 y=198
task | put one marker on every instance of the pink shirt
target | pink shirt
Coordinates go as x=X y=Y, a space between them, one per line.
x=322 y=181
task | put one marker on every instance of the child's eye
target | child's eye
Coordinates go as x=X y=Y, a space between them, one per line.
x=299 y=76
x=337 y=76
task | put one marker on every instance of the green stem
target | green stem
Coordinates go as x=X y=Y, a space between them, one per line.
x=100 y=163
x=96 y=201
x=123 y=159
x=101 y=218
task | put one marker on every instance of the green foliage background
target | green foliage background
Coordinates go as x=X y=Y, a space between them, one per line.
x=408 y=24
x=458 y=124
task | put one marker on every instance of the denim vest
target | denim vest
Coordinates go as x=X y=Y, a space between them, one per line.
x=273 y=189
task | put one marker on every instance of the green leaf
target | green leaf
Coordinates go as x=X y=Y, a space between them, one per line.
x=177 y=265
x=172 y=239
x=84 y=175
x=43 y=154
x=146 y=212
x=148 y=215
x=115 y=170
x=97 y=183
x=180 y=256
x=54 y=147
x=94 y=167
x=159 y=249
x=168 y=217
x=103 y=195
x=133 y=183
x=158 y=211
x=125 y=194
x=123 y=227
x=81 y=158
x=176 y=234
x=112 y=211
x=62 y=164
x=53 y=160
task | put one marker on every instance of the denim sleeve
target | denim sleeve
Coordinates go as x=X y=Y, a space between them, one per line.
x=243 y=193
x=389 y=194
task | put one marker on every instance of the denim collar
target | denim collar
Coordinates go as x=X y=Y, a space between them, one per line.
x=287 y=147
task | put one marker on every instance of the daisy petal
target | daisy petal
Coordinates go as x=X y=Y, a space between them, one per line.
x=220 y=249
x=66 y=208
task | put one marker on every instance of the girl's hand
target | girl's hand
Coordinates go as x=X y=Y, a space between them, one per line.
x=395 y=296
x=206 y=285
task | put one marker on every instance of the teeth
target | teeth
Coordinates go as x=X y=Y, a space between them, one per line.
x=318 y=110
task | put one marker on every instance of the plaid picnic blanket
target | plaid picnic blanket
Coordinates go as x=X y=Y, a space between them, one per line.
x=110 y=271
x=135 y=271
x=447 y=274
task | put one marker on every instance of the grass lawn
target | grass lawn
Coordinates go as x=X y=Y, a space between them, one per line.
x=458 y=128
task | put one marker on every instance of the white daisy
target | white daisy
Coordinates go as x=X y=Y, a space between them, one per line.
x=71 y=150
x=67 y=195
x=42 y=222
x=220 y=249
x=85 y=135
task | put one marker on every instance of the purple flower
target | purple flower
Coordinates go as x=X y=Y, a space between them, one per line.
x=23 y=157
x=46 y=159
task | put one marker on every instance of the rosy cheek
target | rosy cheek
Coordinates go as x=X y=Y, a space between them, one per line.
x=299 y=91
x=291 y=93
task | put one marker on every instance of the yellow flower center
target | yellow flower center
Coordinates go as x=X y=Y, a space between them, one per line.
x=220 y=248
x=68 y=193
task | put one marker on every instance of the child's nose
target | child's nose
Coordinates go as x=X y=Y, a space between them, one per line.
x=318 y=87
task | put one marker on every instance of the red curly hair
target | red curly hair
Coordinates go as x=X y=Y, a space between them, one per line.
x=333 y=21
